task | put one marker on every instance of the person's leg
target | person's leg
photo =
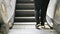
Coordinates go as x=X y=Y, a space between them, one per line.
x=37 y=9
x=37 y=17
x=43 y=11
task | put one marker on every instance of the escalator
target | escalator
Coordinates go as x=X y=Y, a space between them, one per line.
x=24 y=11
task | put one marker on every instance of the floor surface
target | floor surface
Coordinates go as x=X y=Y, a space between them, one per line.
x=29 y=29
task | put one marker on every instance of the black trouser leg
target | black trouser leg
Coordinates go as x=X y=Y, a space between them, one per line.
x=37 y=10
x=43 y=11
x=37 y=18
x=43 y=16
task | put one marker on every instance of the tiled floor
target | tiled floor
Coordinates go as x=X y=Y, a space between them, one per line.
x=29 y=29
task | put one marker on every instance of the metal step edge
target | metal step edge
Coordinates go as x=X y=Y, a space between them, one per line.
x=25 y=10
x=25 y=4
x=25 y=17
x=26 y=0
x=24 y=23
x=28 y=8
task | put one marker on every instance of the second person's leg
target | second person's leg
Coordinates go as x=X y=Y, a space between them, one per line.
x=43 y=11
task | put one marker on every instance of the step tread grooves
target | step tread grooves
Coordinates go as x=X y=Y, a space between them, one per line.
x=25 y=1
x=24 y=11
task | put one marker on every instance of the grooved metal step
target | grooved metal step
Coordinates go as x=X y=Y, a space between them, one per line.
x=24 y=23
x=25 y=10
x=24 y=19
x=25 y=1
x=25 y=6
x=24 y=13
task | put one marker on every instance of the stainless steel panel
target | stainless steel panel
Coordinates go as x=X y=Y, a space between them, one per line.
x=57 y=17
x=6 y=12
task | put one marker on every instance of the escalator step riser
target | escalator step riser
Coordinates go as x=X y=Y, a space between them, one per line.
x=23 y=6
x=24 y=13
x=24 y=20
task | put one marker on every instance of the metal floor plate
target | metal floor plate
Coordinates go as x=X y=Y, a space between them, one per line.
x=29 y=29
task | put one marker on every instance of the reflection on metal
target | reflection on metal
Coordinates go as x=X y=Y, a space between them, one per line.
x=57 y=17
x=49 y=20
x=53 y=12
x=7 y=8
x=3 y=9
x=50 y=12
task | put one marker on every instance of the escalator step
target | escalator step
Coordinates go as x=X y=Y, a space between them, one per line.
x=25 y=19
x=25 y=1
x=25 y=6
x=24 y=13
x=24 y=23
